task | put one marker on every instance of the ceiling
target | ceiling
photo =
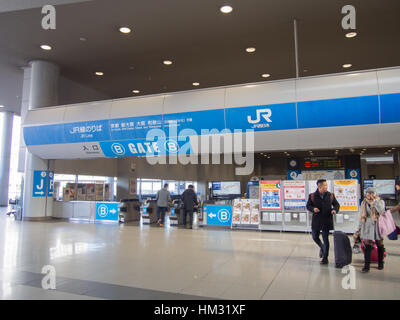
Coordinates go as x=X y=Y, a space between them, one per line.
x=369 y=152
x=205 y=45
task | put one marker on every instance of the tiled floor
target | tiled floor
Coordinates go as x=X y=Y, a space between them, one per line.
x=95 y=261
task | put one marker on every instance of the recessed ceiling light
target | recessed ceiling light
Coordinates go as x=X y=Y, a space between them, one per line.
x=393 y=148
x=1 y=106
x=226 y=9
x=250 y=49
x=98 y=73
x=196 y=84
x=45 y=47
x=125 y=30
x=135 y=91
x=265 y=75
x=351 y=34
x=82 y=39
x=347 y=65
x=167 y=62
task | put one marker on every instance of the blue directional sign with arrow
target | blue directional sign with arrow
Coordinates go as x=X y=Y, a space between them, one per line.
x=107 y=211
x=50 y=184
x=218 y=215
x=39 y=184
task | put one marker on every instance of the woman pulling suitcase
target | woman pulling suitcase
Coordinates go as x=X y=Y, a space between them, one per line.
x=371 y=208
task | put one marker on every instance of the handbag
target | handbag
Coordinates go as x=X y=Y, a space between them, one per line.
x=386 y=224
x=393 y=235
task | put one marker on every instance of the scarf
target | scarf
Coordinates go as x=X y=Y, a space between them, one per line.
x=364 y=215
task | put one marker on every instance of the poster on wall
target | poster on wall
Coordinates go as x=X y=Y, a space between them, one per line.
x=237 y=211
x=346 y=194
x=246 y=210
x=255 y=211
x=294 y=194
x=270 y=195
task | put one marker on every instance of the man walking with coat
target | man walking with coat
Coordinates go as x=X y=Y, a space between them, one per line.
x=163 y=199
x=323 y=205
x=189 y=199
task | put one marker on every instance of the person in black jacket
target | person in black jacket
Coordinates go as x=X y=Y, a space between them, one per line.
x=189 y=200
x=323 y=205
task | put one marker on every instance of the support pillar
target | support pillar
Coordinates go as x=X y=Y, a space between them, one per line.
x=6 y=124
x=43 y=92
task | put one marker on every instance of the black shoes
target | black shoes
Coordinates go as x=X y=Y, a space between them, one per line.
x=365 y=269
x=324 y=261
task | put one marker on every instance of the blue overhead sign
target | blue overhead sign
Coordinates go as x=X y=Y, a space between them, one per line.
x=390 y=108
x=196 y=121
x=134 y=128
x=262 y=118
x=107 y=211
x=130 y=148
x=87 y=131
x=285 y=116
x=338 y=112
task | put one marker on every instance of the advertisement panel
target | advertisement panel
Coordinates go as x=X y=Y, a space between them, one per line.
x=294 y=194
x=346 y=194
x=270 y=195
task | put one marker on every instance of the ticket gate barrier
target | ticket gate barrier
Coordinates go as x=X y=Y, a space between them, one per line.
x=129 y=210
x=149 y=212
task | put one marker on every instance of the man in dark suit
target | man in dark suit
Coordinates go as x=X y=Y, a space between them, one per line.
x=189 y=200
x=323 y=205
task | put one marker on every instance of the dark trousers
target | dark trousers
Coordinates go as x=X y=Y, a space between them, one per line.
x=185 y=213
x=324 y=246
x=161 y=211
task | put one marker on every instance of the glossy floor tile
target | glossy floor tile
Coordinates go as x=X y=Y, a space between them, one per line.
x=104 y=261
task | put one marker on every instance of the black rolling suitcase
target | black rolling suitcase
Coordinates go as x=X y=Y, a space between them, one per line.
x=343 y=252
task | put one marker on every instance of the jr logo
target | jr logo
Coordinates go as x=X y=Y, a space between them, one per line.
x=265 y=113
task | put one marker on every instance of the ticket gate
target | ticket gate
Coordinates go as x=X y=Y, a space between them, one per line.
x=149 y=212
x=175 y=216
x=130 y=210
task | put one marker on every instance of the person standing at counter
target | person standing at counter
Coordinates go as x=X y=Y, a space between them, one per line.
x=189 y=200
x=163 y=199
x=323 y=205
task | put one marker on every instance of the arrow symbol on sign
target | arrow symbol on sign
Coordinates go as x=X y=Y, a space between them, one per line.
x=212 y=215
x=41 y=192
x=113 y=211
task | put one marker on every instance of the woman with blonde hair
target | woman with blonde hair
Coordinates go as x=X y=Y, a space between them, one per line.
x=371 y=208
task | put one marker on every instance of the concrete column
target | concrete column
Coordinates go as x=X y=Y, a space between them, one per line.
x=6 y=124
x=43 y=92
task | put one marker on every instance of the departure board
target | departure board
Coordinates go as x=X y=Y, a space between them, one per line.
x=323 y=164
